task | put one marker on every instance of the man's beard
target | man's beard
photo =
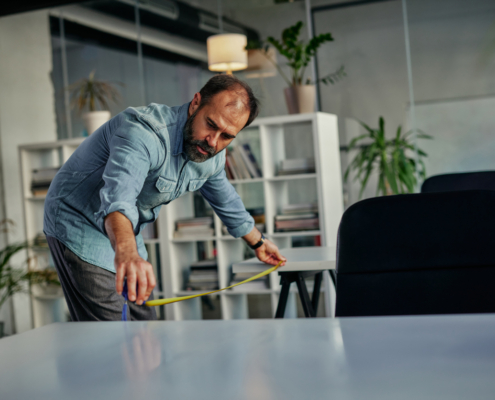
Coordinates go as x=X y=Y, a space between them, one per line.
x=190 y=144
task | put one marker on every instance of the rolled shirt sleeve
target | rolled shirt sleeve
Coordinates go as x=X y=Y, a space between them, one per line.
x=227 y=204
x=133 y=153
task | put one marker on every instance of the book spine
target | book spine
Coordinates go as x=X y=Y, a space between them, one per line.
x=247 y=148
x=247 y=161
x=233 y=166
x=240 y=163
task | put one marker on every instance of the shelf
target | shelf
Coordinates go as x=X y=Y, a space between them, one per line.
x=227 y=237
x=291 y=177
x=48 y=297
x=41 y=249
x=36 y=198
x=275 y=178
x=237 y=292
x=193 y=239
x=294 y=233
x=253 y=180
x=183 y=293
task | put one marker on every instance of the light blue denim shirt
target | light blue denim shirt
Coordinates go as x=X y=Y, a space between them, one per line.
x=134 y=164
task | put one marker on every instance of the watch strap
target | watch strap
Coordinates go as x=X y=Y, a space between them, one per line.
x=259 y=244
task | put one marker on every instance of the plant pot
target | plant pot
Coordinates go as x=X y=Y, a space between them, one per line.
x=300 y=99
x=1 y=329
x=94 y=119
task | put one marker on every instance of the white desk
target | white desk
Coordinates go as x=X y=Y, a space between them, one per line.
x=301 y=262
x=386 y=358
x=298 y=259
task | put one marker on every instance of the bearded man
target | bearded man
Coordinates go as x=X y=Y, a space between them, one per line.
x=116 y=182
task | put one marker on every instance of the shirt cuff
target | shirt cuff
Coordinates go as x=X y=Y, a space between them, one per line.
x=129 y=210
x=242 y=230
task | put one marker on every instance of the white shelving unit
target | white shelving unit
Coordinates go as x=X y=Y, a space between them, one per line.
x=272 y=140
x=47 y=306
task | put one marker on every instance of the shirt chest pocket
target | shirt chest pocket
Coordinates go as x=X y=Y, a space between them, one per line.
x=165 y=185
x=164 y=191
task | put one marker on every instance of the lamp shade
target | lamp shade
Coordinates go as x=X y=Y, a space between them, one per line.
x=227 y=52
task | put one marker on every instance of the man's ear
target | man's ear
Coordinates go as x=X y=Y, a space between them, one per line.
x=196 y=101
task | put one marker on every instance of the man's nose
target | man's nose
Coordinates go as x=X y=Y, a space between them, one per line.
x=212 y=140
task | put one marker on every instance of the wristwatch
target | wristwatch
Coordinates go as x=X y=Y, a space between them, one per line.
x=259 y=244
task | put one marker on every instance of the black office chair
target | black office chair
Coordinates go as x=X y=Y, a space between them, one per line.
x=483 y=180
x=428 y=253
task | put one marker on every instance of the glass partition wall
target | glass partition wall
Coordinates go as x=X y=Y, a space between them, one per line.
x=428 y=66
x=453 y=64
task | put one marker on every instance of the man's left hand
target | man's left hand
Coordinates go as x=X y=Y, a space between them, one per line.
x=269 y=253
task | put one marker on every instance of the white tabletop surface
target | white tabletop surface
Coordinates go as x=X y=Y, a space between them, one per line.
x=427 y=357
x=298 y=259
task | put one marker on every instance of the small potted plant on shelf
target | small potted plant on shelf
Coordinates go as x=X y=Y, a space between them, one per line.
x=301 y=93
x=13 y=280
x=89 y=93
x=389 y=157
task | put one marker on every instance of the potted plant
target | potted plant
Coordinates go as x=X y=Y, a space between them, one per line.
x=389 y=157
x=301 y=93
x=12 y=280
x=88 y=93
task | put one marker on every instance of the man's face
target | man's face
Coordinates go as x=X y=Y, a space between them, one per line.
x=211 y=128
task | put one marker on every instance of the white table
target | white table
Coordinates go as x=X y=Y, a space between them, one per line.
x=301 y=263
x=427 y=357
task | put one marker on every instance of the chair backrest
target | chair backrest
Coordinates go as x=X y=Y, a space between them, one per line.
x=483 y=180
x=417 y=254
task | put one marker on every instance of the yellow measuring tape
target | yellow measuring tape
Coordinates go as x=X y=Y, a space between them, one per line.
x=161 y=302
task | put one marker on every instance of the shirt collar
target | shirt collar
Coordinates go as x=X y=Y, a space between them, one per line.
x=179 y=128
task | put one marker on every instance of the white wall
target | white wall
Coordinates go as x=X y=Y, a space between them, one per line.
x=26 y=114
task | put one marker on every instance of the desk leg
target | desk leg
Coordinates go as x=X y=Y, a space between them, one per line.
x=316 y=292
x=282 y=300
x=303 y=294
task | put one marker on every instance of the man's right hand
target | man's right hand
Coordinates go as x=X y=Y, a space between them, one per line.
x=127 y=262
x=139 y=274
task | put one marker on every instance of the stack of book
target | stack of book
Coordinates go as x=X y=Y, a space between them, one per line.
x=193 y=227
x=40 y=240
x=295 y=166
x=258 y=284
x=41 y=179
x=241 y=163
x=258 y=215
x=203 y=276
x=298 y=217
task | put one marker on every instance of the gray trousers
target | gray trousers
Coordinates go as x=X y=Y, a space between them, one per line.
x=90 y=290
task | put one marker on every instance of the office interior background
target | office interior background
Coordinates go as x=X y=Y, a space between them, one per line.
x=432 y=68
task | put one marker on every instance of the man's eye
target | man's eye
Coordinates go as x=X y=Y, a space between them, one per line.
x=211 y=125
x=227 y=137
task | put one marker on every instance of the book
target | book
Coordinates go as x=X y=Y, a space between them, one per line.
x=43 y=174
x=289 y=217
x=252 y=158
x=185 y=235
x=244 y=173
x=298 y=224
x=203 y=275
x=233 y=166
x=39 y=192
x=247 y=161
x=197 y=221
x=300 y=208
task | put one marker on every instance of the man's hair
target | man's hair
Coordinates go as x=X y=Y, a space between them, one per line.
x=219 y=83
